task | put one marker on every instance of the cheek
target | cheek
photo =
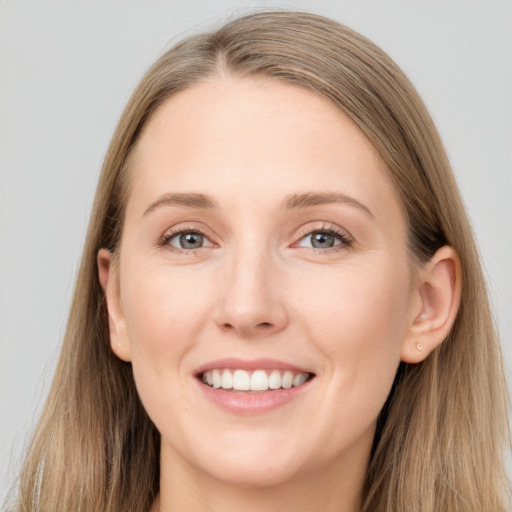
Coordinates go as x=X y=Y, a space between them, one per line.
x=164 y=314
x=359 y=327
x=363 y=310
x=163 y=309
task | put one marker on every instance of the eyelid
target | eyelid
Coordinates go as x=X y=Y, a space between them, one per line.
x=179 y=234
x=342 y=235
x=170 y=233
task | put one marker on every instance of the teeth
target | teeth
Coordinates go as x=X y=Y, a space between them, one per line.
x=299 y=379
x=216 y=378
x=227 y=380
x=258 y=380
x=274 y=379
x=241 y=380
x=287 y=380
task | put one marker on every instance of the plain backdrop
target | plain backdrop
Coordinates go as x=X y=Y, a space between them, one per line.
x=66 y=70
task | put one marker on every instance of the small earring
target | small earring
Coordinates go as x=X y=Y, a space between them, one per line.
x=419 y=346
x=119 y=344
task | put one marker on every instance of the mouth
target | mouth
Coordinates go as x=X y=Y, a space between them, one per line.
x=253 y=381
x=252 y=387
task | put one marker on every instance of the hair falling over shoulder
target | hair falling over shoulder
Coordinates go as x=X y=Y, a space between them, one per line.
x=442 y=434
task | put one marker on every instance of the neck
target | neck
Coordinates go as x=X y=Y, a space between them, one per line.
x=335 y=488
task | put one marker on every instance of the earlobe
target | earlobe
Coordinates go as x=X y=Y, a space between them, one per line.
x=109 y=280
x=438 y=290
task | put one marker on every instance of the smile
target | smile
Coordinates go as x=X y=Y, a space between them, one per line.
x=256 y=386
x=256 y=380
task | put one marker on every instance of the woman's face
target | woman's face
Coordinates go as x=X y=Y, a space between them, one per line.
x=263 y=245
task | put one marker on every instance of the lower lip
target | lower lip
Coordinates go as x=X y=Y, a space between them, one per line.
x=240 y=402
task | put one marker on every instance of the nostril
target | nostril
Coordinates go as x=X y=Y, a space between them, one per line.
x=247 y=328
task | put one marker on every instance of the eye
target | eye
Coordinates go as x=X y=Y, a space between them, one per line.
x=325 y=238
x=188 y=240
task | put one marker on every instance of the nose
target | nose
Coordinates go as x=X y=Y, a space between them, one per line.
x=251 y=296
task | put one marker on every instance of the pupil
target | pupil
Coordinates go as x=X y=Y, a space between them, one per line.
x=322 y=240
x=191 y=240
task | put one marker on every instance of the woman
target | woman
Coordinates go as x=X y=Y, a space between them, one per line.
x=280 y=304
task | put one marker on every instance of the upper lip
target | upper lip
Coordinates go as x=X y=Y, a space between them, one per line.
x=249 y=365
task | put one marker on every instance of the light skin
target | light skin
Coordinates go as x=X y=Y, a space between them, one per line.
x=277 y=163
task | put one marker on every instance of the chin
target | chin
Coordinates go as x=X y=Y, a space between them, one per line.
x=246 y=462
x=253 y=474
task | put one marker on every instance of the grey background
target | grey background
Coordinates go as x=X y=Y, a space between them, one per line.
x=66 y=71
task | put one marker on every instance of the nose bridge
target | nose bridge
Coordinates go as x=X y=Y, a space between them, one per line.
x=251 y=300
x=251 y=257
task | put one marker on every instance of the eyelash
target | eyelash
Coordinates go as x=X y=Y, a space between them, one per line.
x=346 y=242
x=169 y=235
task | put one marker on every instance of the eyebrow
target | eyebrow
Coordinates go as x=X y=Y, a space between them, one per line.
x=190 y=200
x=291 y=202
x=310 y=199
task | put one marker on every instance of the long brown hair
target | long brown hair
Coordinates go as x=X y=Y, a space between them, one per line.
x=441 y=436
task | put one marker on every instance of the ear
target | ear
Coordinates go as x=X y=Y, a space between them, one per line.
x=438 y=298
x=109 y=280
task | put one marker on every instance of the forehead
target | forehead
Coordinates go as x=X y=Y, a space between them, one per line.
x=242 y=137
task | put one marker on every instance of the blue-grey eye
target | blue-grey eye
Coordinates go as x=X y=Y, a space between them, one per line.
x=322 y=240
x=189 y=240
